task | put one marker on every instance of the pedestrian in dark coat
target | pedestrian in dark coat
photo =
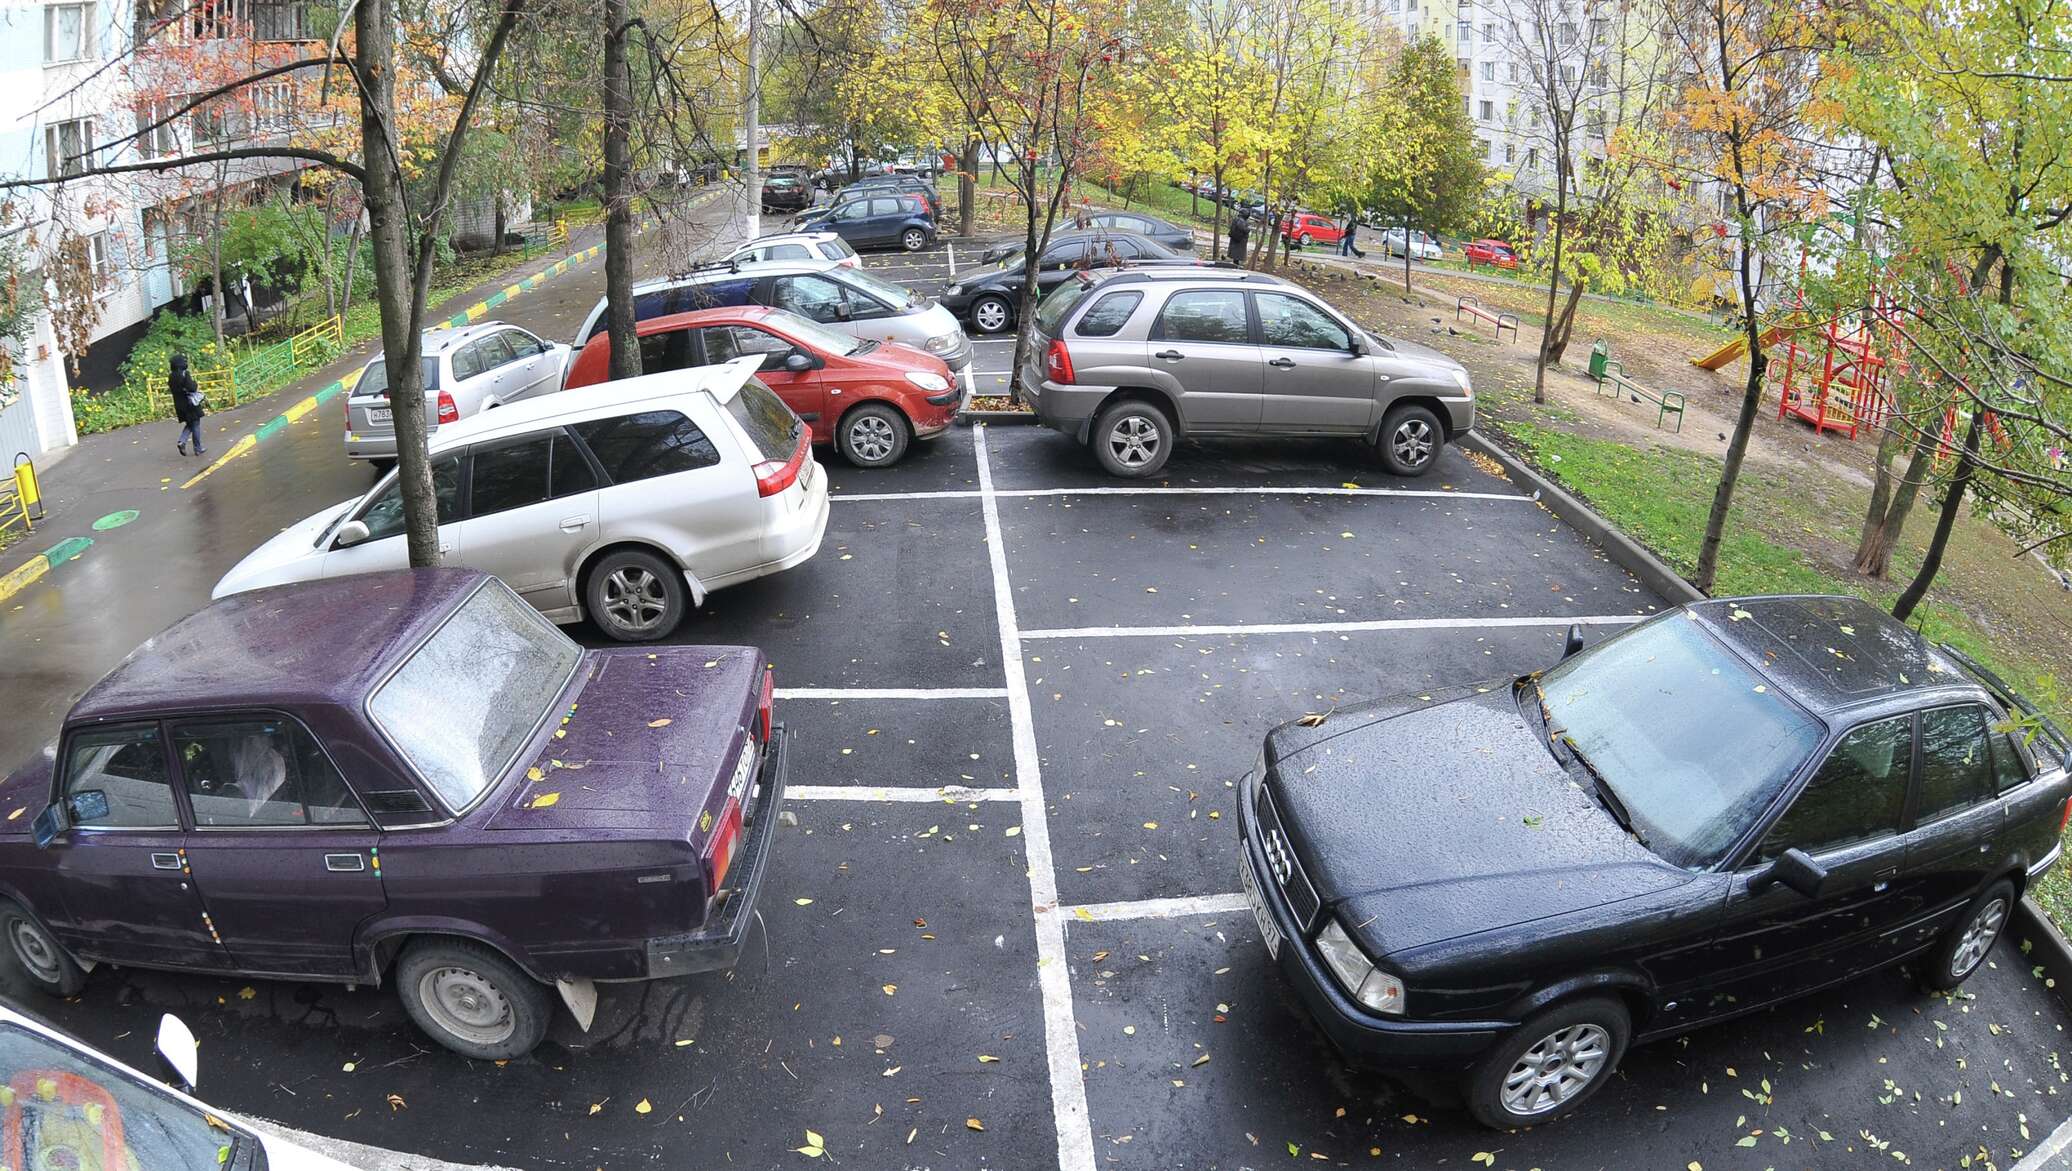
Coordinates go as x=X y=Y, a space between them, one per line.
x=1240 y=234
x=1346 y=247
x=188 y=404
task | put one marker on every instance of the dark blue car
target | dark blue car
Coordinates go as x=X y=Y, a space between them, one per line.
x=882 y=220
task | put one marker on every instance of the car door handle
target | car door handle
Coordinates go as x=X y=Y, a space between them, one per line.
x=570 y=524
x=1283 y=363
x=1169 y=355
x=165 y=861
x=344 y=863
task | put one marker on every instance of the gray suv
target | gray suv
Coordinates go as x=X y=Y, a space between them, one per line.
x=1131 y=361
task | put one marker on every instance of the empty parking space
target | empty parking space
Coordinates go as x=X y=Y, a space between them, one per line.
x=942 y=464
x=1036 y=459
x=902 y=745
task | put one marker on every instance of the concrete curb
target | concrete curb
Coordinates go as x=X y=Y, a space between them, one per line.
x=2049 y=950
x=995 y=418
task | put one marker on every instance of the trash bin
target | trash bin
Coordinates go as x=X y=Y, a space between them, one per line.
x=1599 y=355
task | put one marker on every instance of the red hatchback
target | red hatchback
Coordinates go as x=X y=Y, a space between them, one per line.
x=1495 y=253
x=868 y=398
x=1307 y=227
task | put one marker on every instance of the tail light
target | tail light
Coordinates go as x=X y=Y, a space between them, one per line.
x=766 y=702
x=1057 y=363
x=448 y=413
x=773 y=476
x=726 y=835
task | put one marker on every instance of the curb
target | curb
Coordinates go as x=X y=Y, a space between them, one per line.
x=30 y=571
x=2050 y=951
x=995 y=418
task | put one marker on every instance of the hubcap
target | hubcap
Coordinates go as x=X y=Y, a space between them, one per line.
x=991 y=316
x=914 y=241
x=633 y=598
x=1134 y=441
x=1413 y=442
x=466 y=1004
x=871 y=439
x=34 y=951
x=1978 y=938
x=1561 y=1065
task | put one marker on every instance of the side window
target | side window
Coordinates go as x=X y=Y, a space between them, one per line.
x=468 y=361
x=746 y=340
x=651 y=443
x=510 y=475
x=1063 y=255
x=2011 y=765
x=852 y=212
x=662 y=352
x=1956 y=761
x=384 y=517
x=498 y=351
x=523 y=344
x=1857 y=795
x=1291 y=321
x=886 y=207
x=1108 y=315
x=570 y=472
x=1204 y=315
x=116 y=778
x=260 y=772
x=811 y=297
x=1117 y=248
x=790 y=252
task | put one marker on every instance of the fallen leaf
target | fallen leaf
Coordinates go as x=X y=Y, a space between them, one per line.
x=1202 y=1060
x=660 y=723
x=891 y=988
x=987 y=1059
x=642 y=1107
x=396 y=1102
x=17 y=813
x=596 y=1106
x=974 y=1124
x=534 y=774
x=803 y=902
x=247 y=992
x=544 y=800
x=351 y=1065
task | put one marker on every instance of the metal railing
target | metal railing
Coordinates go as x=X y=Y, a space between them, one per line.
x=258 y=371
x=21 y=497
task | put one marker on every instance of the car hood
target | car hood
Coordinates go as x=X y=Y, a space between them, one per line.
x=1432 y=816
x=990 y=274
x=1414 y=352
x=648 y=742
x=290 y=556
x=25 y=791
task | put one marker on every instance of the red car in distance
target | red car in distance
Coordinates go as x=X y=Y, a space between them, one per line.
x=1494 y=253
x=1307 y=227
x=870 y=399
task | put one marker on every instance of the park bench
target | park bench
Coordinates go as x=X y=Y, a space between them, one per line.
x=1611 y=379
x=1473 y=308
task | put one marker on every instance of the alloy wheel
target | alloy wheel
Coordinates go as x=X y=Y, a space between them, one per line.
x=467 y=1004
x=990 y=316
x=1558 y=1067
x=1134 y=441
x=1978 y=938
x=914 y=240
x=634 y=599
x=35 y=951
x=1412 y=442
x=871 y=439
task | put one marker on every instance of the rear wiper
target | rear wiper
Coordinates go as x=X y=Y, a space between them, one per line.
x=1605 y=793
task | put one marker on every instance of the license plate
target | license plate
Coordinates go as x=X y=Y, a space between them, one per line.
x=1269 y=932
x=377 y=416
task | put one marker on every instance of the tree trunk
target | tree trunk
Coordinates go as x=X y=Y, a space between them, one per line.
x=1891 y=502
x=330 y=213
x=1744 y=422
x=1216 y=216
x=618 y=208
x=1565 y=321
x=352 y=265
x=216 y=289
x=1025 y=307
x=499 y=224
x=1548 y=355
x=1406 y=252
x=967 y=185
x=1953 y=503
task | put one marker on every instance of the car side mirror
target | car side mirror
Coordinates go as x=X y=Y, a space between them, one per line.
x=1357 y=347
x=176 y=1047
x=50 y=825
x=798 y=363
x=351 y=533
x=1794 y=870
x=842 y=312
x=1573 y=643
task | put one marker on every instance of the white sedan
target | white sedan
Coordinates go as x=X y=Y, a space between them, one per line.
x=1422 y=246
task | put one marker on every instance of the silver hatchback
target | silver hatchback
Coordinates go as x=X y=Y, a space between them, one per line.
x=1130 y=362
x=466 y=371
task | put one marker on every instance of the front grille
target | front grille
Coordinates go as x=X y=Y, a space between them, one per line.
x=1282 y=863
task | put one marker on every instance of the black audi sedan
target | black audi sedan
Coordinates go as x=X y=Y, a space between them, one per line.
x=1725 y=806
x=988 y=296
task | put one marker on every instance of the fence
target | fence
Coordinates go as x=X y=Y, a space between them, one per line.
x=258 y=371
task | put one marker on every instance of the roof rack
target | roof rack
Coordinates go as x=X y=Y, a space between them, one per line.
x=730 y=264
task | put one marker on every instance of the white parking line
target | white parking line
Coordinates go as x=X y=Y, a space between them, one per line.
x=1330 y=627
x=1053 y=978
x=965 y=493
x=950 y=794
x=1179 y=908
x=892 y=693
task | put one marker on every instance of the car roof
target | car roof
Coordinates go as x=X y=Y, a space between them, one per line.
x=602 y=400
x=788 y=238
x=1171 y=274
x=1831 y=652
x=440 y=338
x=691 y=319
x=279 y=646
x=722 y=271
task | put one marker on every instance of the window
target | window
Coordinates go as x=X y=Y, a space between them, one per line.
x=1532 y=158
x=1956 y=763
x=1066 y=255
x=1488 y=110
x=115 y=778
x=1467 y=32
x=495 y=351
x=724 y=343
x=812 y=297
x=788 y=252
x=773 y=430
x=1204 y=315
x=509 y=476
x=265 y=771
x=155 y=134
x=154 y=234
x=492 y=672
x=68 y=33
x=1514 y=71
x=66 y=145
x=1857 y=794
x=2010 y=763
x=100 y=254
x=1510 y=152
x=384 y=517
x=660 y=352
x=1108 y=315
x=1489 y=71
x=1291 y=321
x=1485 y=148
x=651 y=443
x=881 y=208
x=570 y=471
x=523 y=345
x=1568 y=33
x=156 y=1129
x=468 y=361
x=851 y=213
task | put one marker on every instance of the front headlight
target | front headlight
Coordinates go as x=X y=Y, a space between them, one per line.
x=953 y=290
x=1356 y=973
x=927 y=381
x=941 y=344
x=1460 y=378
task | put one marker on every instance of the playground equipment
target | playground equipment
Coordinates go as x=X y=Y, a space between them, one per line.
x=1845 y=387
x=1736 y=348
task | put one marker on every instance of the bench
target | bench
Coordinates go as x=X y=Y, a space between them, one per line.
x=1473 y=308
x=1612 y=379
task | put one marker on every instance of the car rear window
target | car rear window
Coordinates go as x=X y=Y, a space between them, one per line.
x=1108 y=315
x=650 y=443
x=771 y=425
x=1050 y=314
x=376 y=380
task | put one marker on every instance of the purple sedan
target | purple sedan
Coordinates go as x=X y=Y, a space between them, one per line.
x=407 y=776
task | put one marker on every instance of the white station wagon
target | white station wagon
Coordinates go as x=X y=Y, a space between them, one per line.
x=467 y=370
x=625 y=504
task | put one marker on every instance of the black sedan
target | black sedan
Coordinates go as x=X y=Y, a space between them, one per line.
x=1171 y=235
x=1731 y=804
x=989 y=297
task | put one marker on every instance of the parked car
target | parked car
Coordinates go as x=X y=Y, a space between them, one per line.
x=848 y=300
x=1422 y=247
x=1307 y=227
x=884 y=220
x=785 y=192
x=1131 y=362
x=1165 y=233
x=869 y=399
x=797 y=246
x=625 y=505
x=888 y=183
x=1732 y=804
x=88 y=1110
x=1495 y=253
x=990 y=297
x=240 y=798
x=466 y=371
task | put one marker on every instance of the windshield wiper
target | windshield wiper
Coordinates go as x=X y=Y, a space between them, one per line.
x=1605 y=793
x=1539 y=695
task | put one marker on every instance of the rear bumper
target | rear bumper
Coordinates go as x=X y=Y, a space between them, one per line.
x=1061 y=406
x=718 y=944
x=363 y=446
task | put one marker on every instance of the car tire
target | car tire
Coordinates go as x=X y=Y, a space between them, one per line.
x=471 y=999
x=1970 y=939
x=39 y=956
x=1304 y=240
x=913 y=239
x=382 y=467
x=1132 y=438
x=873 y=435
x=992 y=315
x=635 y=596
x=1532 y=1076
x=1410 y=440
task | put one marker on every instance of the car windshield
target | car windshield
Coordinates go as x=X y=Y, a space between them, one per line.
x=815 y=336
x=1693 y=741
x=883 y=290
x=63 y=1102
x=376 y=380
x=465 y=702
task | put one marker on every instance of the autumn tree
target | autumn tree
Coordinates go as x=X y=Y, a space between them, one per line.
x=1207 y=94
x=1428 y=174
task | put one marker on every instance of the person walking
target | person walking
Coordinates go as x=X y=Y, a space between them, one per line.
x=188 y=405
x=1346 y=247
x=1240 y=234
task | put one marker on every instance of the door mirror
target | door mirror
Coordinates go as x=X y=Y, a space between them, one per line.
x=842 y=311
x=1573 y=643
x=50 y=825
x=177 y=1049
x=1357 y=347
x=798 y=362
x=350 y=533
x=1792 y=869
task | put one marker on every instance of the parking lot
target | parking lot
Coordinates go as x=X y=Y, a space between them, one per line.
x=926 y=272
x=1003 y=930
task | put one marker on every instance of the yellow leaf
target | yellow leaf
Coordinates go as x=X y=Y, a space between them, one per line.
x=974 y=1124
x=1083 y=913
x=660 y=723
x=803 y=902
x=1202 y=1060
x=351 y=1065
x=986 y=1059
x=247 y=992
x=685 y=1041
x=596 y=1106
x=814 y=1140
x=1150 y=825
x=642 y=1107
x=544 y=800
x=396 y=1102
x=533 y=774
x=1348 y=484
x=17 y=813
x=891 y=988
